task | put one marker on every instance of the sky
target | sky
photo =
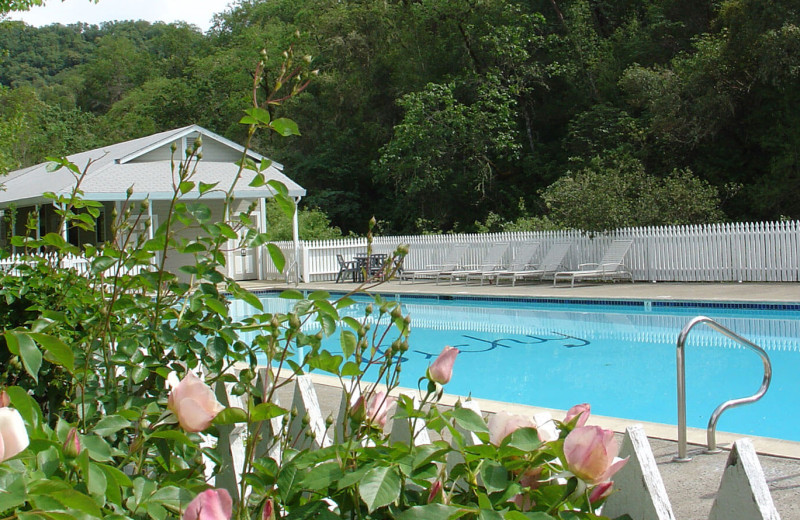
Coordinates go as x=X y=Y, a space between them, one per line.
x=197 y=12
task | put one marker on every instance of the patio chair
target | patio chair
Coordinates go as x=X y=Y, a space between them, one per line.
x=346 y=268
x=523 y=259
x=553 y=261
x=492 y=260
x=451 y=262
x=610 y=266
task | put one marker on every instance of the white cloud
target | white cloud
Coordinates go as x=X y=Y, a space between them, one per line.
x=196 y=12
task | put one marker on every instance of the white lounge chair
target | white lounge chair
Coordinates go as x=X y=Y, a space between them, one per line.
x=553 y=261
x=523 y=259
x=610 y=266
x=492 y=259
x=451 y=262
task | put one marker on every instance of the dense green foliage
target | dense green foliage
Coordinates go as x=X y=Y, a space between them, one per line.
x=457 y=113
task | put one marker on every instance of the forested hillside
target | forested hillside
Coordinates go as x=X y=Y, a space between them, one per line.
x=440 y=115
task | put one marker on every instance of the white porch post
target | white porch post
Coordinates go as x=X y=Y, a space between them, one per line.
x=37 y=209
x=296 y=237
x=64 y=232
x=262 y=228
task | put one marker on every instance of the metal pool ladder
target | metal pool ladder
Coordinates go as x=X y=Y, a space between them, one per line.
x=712 y=422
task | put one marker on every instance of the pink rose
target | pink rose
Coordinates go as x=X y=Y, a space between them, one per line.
x=378 y=409
x=194 y=403
x=581 y=410
x=441 y=370
x=72 y=445
x=13 y=435
x=503 y=424
x=436 y=493
x=268 y=513
x=590 y=452
x=601 y=491
x=211 y=504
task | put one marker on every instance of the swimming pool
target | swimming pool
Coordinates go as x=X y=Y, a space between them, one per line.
x=617 y=355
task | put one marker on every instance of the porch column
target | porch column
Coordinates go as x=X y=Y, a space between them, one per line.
x=64 y=232
x=37 y=209
x=296 y=237
x=262 y=228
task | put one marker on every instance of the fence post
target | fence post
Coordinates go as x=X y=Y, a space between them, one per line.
x=640 y=490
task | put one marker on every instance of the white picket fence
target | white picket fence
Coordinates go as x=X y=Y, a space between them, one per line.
x=78 y=264
x=734 y=252
x=743 y=493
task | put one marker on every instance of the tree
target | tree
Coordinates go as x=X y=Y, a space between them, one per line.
x=446 y=153
x=612 y=193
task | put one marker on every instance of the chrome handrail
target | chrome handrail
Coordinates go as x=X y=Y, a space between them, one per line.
x=712 y=422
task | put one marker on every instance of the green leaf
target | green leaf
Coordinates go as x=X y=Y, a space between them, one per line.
x=469 y=420
x=76 y=500
x=21 y=344
x=292 y=294
x=433 y=512
x=535 y=515
x=172 y=435
x=216 y=306
x=258 y=180
x=285 y=127
x=489 y=514
x=101 y=263
x=60 y=352
x=110 y=425
x=204 y=187
x=258 y=115
x=323 y=476
x=350 y=369
x=230 y=416
x=495 y=476
x=525 y=439
x=266 y=411
x=25 y=405
x=277 y=257
x=379 y=487
x=347 y=340
x=186 y=186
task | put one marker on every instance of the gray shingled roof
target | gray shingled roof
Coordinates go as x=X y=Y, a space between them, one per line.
x=145 y=165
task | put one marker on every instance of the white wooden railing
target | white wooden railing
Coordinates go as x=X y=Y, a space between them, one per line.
x=734 y=252
x=78 y=264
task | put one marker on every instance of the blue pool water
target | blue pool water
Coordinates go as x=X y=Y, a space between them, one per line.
x=617 y=356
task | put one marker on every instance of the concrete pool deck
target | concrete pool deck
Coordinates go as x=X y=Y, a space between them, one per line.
x=691 y=486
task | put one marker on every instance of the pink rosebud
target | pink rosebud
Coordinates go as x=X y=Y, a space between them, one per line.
x=441 y=370
x=13 y=435
x=268 y=513
x=581 y=411
x=378 y=409
x=72 y=446
x=194 y=403
x=601 y=491
x=211 y=504
x=590 y=452
x=437 y=493
x=503 y=424
x=5 y=400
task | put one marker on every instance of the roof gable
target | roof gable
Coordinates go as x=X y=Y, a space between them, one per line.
x=111 y=169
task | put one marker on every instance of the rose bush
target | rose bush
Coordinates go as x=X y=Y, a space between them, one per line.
x=126 y=440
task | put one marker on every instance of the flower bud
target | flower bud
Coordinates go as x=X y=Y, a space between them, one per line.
x=441 y=370
x=5 y=400
x=368 y=309
x=268 y=513
x=397 y=312
x=211 y=504
x=294 y=321
x=72 y=446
